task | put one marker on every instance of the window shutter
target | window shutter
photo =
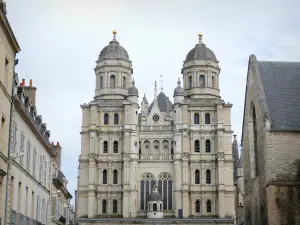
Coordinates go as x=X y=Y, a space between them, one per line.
x=40 y=168
x=38 y=209
x=34 y=163
x=28 y=157
x=49 y=176
x=54 y=206
x=45 y=172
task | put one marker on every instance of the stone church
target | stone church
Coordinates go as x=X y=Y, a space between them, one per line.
x=184 y=147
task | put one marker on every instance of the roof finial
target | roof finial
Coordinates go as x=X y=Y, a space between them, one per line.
x=161 y=83
x=133 y=82
x=114 y=33
x=155 y=92
x=179 y=82
x=200 y=35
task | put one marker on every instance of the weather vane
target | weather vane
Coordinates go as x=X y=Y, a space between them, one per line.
x=161 y=82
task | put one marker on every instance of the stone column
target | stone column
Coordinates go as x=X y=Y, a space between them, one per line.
x=178 y=183
x=92 y=188
x=133 y=191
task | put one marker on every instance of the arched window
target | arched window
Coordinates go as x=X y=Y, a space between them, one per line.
x=101 y=82
x=213 y=81
x=197 y=177
x=116 y=119
x=147 y=184
x=116 y=147
x=104 y=206
x=104 y=176
x=172 y=148
x=105 y=119
x=208 y=206
x=197 y=206
x=196 y=118
x=190 y=82
x=207 y=146
x=255 y=139
x=154 y=207
x=166 y=191
x=207 y=118
x=105 y=147
x=202 y=81
x=115 y=206
x=208 y=177
x=115 y=176
x=124 y=82
x=112 y=81
x=197 y=146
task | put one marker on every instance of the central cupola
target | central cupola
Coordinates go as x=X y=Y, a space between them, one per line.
x=201 y=72
x=113 y=71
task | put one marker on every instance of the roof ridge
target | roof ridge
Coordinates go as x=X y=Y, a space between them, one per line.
x=264 y=61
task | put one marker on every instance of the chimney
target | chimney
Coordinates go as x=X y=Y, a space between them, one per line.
x=57 y=149
x=30 y=91
x=3 y=7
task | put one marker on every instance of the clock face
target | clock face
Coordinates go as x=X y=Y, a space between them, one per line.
x=155 y=117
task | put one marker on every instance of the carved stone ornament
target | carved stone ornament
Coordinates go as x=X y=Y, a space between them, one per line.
x=126 y=156
x=221 y=155
x=185 y=155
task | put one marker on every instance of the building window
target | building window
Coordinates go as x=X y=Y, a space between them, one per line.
x=104 y=176
x=208 y=206
x=105 y=119
x=6 y=73
x=213 y=81
x=115 y=176
x=208 y=177
x=14 y=139
x=165 y=189
x=112 y=81
x=124 y=82
x=207 y=118
x=101 y=82
x=22 y=149
x=202 y=81
x=197 y=206
x=104 y=206
x=197 y=146
x=196 y=118
x=116 y=119
x=105 y=147
x=40 y=168
x=255 y=139
x=207 y=146
x=190 y=81
x=147 y=184
x=197 y=177
x=28 y=157
x=116 y=147
x=45 y=172
x=115 y=206
x=34 y=163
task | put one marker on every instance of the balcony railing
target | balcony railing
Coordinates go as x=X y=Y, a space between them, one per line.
x=155 y=157
x=58 y=180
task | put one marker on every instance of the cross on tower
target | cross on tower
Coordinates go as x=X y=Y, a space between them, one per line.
x=161 y=82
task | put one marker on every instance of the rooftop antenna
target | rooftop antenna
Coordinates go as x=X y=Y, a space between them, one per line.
x=161 y=83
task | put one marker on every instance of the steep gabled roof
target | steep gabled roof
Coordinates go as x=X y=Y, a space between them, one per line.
x=164 y=103
x=281 y=83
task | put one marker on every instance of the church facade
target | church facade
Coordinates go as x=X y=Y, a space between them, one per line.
x=185 y=147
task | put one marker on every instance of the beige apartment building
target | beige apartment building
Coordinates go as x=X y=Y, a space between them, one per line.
x=184 y=147
x=8 y=49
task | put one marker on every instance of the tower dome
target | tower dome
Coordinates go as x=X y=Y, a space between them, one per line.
x=178 y=90
x=201 y=52
x=113 y=51
x=133 y=90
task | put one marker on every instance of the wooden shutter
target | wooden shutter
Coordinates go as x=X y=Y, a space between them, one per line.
x=45 y=172
x=54 y=206
x=38 y=208
x=49 y=176
x=40 y=168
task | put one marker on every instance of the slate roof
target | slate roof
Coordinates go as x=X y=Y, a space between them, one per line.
x=281 y=83
x=164 y=103
x=201 y=52
x=113 y=51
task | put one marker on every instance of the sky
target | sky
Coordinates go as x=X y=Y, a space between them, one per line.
x=60 y=41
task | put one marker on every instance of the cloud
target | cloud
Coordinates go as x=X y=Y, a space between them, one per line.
x=60 y=41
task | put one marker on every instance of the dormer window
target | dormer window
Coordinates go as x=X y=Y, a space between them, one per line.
x=43 y=127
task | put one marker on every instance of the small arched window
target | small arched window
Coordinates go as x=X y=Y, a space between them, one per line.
x=213 y=81
x=105 y=119
x=101 y=82
x=104 y=206
x=207 y=146
x=104 y=176
x=105 y=147
x=116 y=147
x=208 y=206
x=197 y=206
x=197 y=177
x=207 y=118
x=124 y=82
x=202 y=81
x=172 y=148
x=116 y=119
x=190 y=82
x=197 y=146
x=208 y=177
x=112 y=81
x=115 y=206
x=115 y=176
x=154 y=207
x=196 y=118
